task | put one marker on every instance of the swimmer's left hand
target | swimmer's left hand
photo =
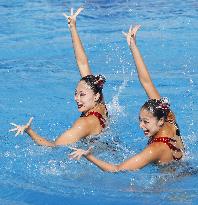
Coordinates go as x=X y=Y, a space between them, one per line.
x=131 y=35
x=20 y=129
x=78 y=153
x=72 y=18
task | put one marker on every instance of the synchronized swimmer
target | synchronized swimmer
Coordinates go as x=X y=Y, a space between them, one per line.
x=88 y=96
x=155 y=118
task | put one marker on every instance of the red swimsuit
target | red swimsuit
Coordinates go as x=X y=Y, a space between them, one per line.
x=167 y=141
x=99 y=116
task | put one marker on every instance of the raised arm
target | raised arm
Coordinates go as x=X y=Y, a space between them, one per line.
x=80 y=55
x=148 y=155
x=142 y=70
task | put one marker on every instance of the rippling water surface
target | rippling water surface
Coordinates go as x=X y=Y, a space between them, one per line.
x=38 y=76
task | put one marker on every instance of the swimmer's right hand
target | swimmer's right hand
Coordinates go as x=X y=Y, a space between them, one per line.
x=78 y=153
x=72 y=18
x=20 y=129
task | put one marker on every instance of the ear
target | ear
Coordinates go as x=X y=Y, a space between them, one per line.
x=97 y=96
x=161 y=122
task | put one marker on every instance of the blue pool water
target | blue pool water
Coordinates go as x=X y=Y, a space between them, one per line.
x=38 y=76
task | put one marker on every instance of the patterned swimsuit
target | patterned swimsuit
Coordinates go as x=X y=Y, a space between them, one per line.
x=167 y=141
x=98 y=115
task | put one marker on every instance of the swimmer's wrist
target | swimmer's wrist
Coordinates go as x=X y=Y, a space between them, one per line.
x=28 y=129
x=132 y=42
x=132 y=46
x=87 y=155
x=73 y=27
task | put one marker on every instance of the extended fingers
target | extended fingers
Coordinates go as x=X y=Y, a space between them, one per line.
x=18 y=132
x=30 y=121
x=65 y=15
x=72 y=11
x=90 y=149
x=13 y=130
x=136 y=28
x=72 y=14
x=124 y=33
x=74 y=155
x=130 y=28
x=73 y=148
x=13 y=124
x=77 y=154
x=19 y=129
x=78 y=11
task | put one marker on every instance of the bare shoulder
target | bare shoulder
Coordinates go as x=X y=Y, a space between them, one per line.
x=89 y=123
x=161 y=151
x=82 y=122
x=158 y=149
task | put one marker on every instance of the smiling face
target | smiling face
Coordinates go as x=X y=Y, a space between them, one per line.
x=149 y=123
x=85 y=97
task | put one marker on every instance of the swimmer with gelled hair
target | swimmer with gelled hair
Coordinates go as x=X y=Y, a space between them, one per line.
x=88 y=96
x=156 y=120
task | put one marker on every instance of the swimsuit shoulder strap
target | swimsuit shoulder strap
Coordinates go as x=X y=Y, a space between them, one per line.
x=167 y=141
x=99 y=116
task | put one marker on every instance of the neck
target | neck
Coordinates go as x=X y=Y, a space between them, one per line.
x=159 y=133
x=92 y=109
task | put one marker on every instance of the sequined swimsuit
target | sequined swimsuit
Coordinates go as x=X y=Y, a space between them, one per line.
x=99 y=116
x=167 y=141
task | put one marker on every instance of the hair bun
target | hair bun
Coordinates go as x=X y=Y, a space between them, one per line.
x=100 y=81
x=164 y=104
x=165 y=100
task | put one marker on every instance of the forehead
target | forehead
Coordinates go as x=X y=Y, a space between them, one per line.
x=83 y=86
x=144 y=113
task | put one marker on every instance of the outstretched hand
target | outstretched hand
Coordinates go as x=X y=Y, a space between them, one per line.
x=78 y=153
x=131 y=35
x=72 y=18
x=20 y=129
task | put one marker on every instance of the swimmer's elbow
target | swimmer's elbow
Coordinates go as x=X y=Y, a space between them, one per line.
x=58 y=143
x=53 y=145
x=83 y=64
x=112 y=169
x=50 y=144
x=44 y=143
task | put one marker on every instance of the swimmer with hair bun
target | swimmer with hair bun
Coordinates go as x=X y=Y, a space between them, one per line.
x=88 y=96
x=156 y=120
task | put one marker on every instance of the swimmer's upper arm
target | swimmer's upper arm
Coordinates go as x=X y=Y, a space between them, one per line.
x=84 y=70
x=148 y=155
x=151 y=90
x=147 y=83
x=81 y=57
x=144 y=75
x=80 y=129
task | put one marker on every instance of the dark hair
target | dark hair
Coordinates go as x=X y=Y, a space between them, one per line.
x=95 y=83
x=158 y=107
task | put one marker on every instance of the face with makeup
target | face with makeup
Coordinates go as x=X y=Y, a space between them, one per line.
x=149 y=123
x=85 y=97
